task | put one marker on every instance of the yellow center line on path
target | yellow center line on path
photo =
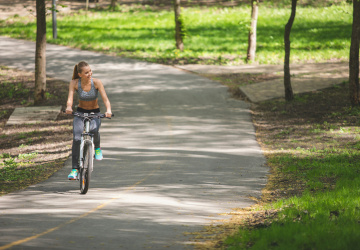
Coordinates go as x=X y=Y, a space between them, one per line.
x=15 y=243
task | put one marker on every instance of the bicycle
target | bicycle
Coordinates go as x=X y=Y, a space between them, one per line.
x=87 y=150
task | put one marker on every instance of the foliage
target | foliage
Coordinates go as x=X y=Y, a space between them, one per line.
x=183 y=29
x=12 y=90
x=319 y=34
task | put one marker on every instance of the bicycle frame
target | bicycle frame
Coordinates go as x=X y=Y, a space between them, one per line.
x=86 y=138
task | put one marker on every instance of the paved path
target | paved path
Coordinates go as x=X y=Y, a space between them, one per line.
x=28 y=115
x=305 y=77
x=178 y=153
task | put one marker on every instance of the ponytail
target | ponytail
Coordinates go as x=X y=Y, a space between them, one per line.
x=75 y=73
x=78 y=68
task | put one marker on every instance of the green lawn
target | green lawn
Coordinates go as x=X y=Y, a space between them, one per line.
x=322 y=217
x=214 y=35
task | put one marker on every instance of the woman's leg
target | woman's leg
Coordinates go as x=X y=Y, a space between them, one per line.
x=78 y=127
x=94 y=129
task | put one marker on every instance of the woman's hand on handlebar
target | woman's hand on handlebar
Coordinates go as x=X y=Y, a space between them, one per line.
x=108 y=114
x=69 y=110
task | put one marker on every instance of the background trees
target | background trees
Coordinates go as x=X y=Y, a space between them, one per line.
x=354 y=56
x=252 y=32
x=289 y=95
x=113 y=4
x=179 y=26
x=216 y=36
x=40 y=53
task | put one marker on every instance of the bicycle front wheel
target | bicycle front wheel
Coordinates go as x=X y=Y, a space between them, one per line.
x=85 y=172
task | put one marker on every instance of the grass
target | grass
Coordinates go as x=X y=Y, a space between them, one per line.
x=11 y=90
x=15 y=175
x=29 y=157
x=322 y=220
x=312 y=199
x=214 y=35
x=30 y=153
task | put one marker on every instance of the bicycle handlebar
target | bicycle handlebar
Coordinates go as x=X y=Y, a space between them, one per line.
x=90 y=115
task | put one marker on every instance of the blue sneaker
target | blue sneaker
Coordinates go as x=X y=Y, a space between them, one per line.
x=73 y=174
x=98 y=154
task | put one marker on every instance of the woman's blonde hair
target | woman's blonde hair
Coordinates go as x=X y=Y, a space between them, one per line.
x=78 y=69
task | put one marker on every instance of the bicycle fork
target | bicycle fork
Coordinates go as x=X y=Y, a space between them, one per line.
x=86 y=138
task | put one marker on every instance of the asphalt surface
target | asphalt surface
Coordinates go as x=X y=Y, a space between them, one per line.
x=178 y=154
x=306 y=77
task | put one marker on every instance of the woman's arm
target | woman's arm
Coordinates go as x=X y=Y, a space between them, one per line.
x=70 y=99
x=98 y=85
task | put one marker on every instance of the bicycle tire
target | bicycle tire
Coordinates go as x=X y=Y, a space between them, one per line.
x=85 y=172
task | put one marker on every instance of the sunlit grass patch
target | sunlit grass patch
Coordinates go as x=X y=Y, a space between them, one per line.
x=325 y=216
x=214 y=35
x=15 y=176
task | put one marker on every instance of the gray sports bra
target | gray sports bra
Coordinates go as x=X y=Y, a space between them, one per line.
x=87 y=96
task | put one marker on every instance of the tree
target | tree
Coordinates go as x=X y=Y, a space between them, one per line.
x=113 y=4
x=40 y=53
x=54 y=23
x=354 y=56
x=179 y=26
x=252 y=32
x=289 y=95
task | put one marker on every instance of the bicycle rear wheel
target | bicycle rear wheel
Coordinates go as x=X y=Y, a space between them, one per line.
x=85 y=172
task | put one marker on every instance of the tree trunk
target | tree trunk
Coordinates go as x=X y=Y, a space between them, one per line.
x=54 y=23
x=354 y=56
x=179 y=26
x=289 y=95
x=40 y=53
x=113 y=4
x=252 y=32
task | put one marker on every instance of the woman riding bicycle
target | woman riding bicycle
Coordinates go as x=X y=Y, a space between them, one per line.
x=87 y=89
